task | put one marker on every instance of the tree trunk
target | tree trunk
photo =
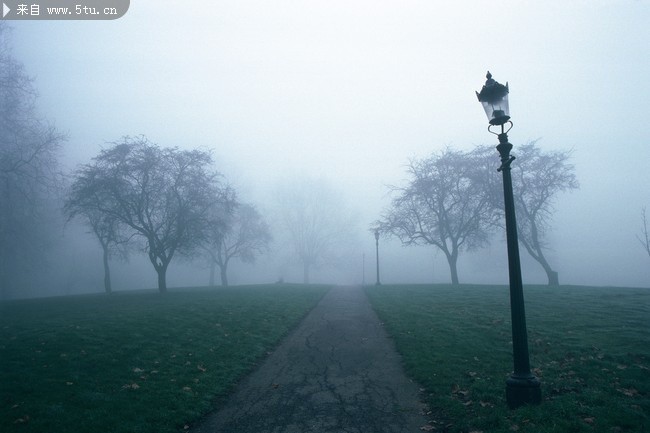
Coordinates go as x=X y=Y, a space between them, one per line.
x=224 y=275
x=162 y=278
x=305 y=273
x=107 y=271
x=553 y=277
x=213 y=266
x=454 y=271
x=537 y=254
x=160 y=264
x=452 y=259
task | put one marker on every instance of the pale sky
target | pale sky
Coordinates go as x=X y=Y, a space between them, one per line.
x=349 y=90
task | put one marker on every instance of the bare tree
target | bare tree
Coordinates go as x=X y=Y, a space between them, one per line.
x=244 y=236
x=537 y=178
x=105 y=227
x=445 y=204
x=29 y=175
x=165 y=197
x=644 y=239
x=318 y=224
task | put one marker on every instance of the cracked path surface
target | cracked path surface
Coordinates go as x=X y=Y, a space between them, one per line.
x=336 y=372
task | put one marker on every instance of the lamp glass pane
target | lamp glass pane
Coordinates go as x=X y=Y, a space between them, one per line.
x=497 y=110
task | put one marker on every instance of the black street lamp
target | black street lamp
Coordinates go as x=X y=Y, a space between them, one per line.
x=377 y=246
x=522 y=387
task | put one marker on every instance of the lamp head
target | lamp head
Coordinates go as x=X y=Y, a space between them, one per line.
x=494 y=98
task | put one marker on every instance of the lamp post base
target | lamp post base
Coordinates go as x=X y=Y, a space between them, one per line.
x=521 y=391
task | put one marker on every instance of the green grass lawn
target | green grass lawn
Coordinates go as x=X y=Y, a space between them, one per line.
x=136 y=362
x=589 y=346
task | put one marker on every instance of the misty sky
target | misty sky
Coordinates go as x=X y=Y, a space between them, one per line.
x=349 y=90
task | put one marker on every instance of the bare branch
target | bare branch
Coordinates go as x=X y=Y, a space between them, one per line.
x=644 y=239
x=164 y=196
x=445 y=204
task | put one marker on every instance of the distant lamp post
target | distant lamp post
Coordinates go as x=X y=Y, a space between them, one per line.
x=377 y=254
x=522 y=387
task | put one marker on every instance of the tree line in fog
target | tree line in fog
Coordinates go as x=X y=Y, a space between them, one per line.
x=169 y=203
x=454 y=200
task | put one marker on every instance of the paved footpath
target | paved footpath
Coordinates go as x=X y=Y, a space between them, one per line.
x=336 y=372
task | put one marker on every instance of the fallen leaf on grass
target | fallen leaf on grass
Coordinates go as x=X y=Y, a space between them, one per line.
x=514 y=427
x=202 y=368
x=589 y=420
x=131 y=386
x=187 y=389
x=462 y=393
x=137 y=370
x=23 y=420
x=630 y=392
x=427 y=427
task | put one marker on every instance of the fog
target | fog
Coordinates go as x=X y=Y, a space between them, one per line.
x=348 y=91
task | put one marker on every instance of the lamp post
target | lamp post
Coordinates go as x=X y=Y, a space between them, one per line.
x=377 y=253
x=522 y=387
